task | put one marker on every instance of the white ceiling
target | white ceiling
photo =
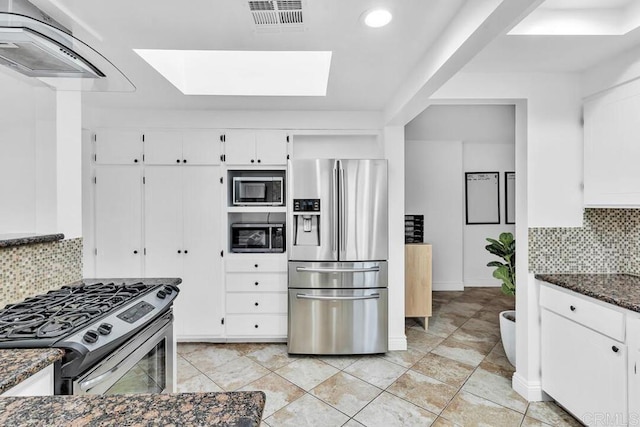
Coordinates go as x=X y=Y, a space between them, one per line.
x=560 y=53
x=368 y=65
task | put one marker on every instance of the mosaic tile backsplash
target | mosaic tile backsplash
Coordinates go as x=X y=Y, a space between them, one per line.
x=608 y=242
x=35 y=269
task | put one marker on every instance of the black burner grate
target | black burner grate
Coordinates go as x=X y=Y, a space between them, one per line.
x=60 y=312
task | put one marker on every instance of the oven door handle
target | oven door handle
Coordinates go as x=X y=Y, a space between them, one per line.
x=89 y=384
x=324 y=298
x=337 y=270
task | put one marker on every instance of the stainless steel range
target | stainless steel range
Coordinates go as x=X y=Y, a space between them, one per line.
x=117 y=334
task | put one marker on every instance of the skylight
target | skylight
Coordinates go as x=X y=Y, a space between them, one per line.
x=581 y=17
x=242 y=73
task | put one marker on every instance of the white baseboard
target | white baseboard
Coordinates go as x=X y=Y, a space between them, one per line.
x=397 y=343
x=530 y=390
x=448 y=286
x=482 y=284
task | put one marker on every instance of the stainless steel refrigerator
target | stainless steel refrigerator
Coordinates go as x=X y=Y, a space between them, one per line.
x=338 y=246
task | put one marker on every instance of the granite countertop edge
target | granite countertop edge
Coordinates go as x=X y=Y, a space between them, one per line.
x=10 y=240
x=241 y=408
x=622 y=290
x=16 y=365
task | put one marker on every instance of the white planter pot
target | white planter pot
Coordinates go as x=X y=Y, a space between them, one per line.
x=508 y=334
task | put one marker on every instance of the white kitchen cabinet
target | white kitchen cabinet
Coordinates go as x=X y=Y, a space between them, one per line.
x=118 y=221
x=176 y=147
x=183 y=239
x=633 y=334
x=118 y=147
x=611 y=149
x=249 y=147
x=38 y=384
x=256 y=296
x=583 y=369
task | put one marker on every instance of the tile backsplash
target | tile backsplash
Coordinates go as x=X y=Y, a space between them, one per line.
x=29 y=270
x=608 y=242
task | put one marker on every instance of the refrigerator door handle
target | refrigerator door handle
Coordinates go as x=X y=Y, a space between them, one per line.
x=334 y=205
x=338 y=270
x=336 y=298
x=343 y=220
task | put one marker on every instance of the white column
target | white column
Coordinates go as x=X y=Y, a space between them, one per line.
x=69 y=163
x=394 y=153
x=45 y=152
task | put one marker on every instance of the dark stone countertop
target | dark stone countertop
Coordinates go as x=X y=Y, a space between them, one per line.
x=182 y=409
x=17 y=239
x=16 y=365
x=622 y=290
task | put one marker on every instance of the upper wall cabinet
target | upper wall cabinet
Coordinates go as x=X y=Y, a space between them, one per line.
x=612 y=149
x=248 y=147
x=193 y=147
x=118 y=147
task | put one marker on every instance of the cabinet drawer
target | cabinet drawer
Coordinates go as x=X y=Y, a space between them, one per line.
x=256 y=282
x=580 y=309
x=258 y=264
x=271 y=325
x=253 y=302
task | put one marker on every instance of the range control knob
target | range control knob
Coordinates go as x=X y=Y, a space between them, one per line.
x=167 y=289
x=90 y=337
x=161 y=294
x=105 y=328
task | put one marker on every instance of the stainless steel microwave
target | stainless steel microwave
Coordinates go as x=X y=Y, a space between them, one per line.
x=257 y=237
x=258 y=191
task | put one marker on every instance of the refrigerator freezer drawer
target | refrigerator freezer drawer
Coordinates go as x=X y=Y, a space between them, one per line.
x=338 y=321
x=337 y=275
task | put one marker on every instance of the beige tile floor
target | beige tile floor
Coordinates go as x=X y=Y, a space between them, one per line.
x=453 y=374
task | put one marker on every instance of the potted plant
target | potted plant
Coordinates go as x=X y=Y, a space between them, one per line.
x=505 y=248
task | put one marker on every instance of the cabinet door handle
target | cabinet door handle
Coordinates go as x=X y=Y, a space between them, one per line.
x=252 y=161
x=259 y=161
x=177 y=160
x=179 y=251
x=135 y=252
x=255 y=265
x=256 y=283
x=257 y=304
x=256 y=326
x=135 y=160
x=186 y=251
x=615 y=349
x=184 y=161
x=572 y=308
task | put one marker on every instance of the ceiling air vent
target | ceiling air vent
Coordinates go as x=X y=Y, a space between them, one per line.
x=277 y=15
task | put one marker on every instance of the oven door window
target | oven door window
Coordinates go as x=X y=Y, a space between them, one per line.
x=147 y=375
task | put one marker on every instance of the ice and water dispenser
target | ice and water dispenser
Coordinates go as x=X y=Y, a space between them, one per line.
x=306 y=222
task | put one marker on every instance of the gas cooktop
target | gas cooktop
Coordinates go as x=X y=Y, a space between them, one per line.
x=43 y=320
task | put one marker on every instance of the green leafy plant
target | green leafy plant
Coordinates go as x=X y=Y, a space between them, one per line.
x=505 y=248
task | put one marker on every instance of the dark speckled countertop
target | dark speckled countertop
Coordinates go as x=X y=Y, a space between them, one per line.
x=241 y=409
x=17 y=239
x=619 y=289
x=16 y=365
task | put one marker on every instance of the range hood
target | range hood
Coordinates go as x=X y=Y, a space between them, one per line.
x=34 y=44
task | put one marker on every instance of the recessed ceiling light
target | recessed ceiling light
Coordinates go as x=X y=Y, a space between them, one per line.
x=377 y=18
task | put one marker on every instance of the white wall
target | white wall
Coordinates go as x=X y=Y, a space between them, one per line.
x=549 y=186
x=27 y=152
x=17 y=155
x=486 y=157
x=433 y=187
x=480 y=138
